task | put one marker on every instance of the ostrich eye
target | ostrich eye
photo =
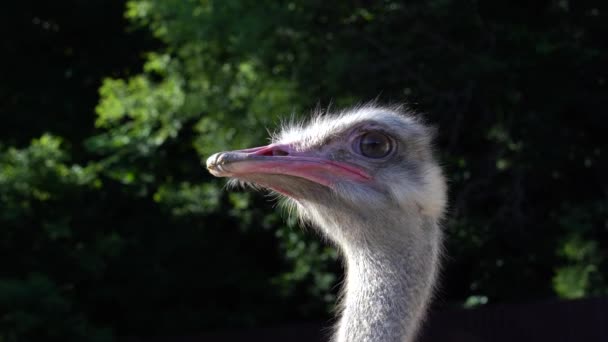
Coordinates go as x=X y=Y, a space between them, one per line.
x=375 y=145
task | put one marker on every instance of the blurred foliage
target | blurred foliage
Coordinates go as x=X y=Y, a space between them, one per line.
x=109 y=226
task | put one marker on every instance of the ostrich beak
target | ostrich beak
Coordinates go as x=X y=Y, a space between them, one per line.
x=278 y=159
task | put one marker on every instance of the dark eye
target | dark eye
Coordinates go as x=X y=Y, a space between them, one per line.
x=375 y=145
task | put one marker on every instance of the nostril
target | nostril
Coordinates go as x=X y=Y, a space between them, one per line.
x=277 y=152
x=272 y=151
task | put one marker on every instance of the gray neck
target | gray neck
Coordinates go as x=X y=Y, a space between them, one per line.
x=391 y=265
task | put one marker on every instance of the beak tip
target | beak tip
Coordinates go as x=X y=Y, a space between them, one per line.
x=212 y=161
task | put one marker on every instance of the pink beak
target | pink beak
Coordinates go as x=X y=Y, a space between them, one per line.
x=277 y=159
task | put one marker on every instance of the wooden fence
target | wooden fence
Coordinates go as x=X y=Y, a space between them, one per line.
x=555 y=321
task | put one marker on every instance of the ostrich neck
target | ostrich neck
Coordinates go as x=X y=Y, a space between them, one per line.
x=391 y=265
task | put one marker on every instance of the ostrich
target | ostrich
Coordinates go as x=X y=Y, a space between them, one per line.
x=367 y=180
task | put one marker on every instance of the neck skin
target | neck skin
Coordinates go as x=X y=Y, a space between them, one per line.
x=391 y=265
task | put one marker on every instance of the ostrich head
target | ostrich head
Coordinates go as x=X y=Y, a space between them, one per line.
x=367 y=179
x=365 y=163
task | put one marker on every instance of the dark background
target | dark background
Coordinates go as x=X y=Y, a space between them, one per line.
x=109 y=226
